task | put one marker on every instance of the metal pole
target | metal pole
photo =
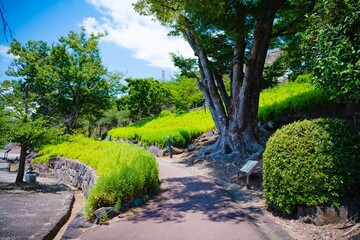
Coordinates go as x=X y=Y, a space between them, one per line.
x=169 y=146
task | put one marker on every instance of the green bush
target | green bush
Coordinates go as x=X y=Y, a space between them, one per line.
x=310 y=163
x=125 y=172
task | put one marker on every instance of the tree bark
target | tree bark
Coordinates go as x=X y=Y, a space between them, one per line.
x=20 y=173
x=236 y=117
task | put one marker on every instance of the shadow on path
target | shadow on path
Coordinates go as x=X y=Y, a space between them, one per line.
x=179 y=196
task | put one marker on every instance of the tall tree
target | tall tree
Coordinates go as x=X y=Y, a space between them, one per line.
x=230 y=37
x=68 y=78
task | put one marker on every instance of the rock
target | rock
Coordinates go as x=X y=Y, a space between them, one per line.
x=101 y=212
x=137 y=202
x=270 y=124
x=160 y=153
x=209 y=141
x=154 y=150
x=209 y=133
x=14 y=166
x=191 y=148
x=177 y=150
x=325 y=215
x=124 y=206
x=165 y=152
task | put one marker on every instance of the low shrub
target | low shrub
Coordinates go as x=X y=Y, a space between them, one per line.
x=125 y=172
x=310 y=163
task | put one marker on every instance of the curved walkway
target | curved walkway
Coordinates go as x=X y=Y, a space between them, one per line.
x=188 y=207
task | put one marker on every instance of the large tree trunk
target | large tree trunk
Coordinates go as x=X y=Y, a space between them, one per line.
x=20 y=173
x=236 y=117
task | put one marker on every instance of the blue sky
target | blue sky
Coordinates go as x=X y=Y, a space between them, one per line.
x=135 y=45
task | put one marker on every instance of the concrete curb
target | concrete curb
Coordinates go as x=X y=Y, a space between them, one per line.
x=65 y=215
x=51 y=229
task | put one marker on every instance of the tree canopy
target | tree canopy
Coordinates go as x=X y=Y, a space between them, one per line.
x=231 y=38
x=67 y=79
x=144 y=98
x=333 y=46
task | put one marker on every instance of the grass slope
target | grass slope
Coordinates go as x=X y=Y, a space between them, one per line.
x=288 y=98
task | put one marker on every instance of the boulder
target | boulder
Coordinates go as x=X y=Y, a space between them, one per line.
x=99 y=213
x=177 y=150
x=191 y=148
x=154 y=150
x=329 y=215
x=160 y=153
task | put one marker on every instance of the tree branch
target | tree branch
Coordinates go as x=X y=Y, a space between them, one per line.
x=283 y=31
x=208 y=77
x=5 y=28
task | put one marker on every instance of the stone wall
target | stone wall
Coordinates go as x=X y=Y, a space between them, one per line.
x=70 y=172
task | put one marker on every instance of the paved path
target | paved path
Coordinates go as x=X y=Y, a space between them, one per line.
x=188 y=207
x=35 y=212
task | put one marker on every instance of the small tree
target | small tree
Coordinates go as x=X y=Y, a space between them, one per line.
x=185 y=93
x=29 y=134
x=16 y=124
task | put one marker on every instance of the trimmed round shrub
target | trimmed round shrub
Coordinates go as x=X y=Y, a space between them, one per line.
x=310 y=163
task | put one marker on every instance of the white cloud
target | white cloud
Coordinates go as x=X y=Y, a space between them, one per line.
x=3 y=50
x=147 y=39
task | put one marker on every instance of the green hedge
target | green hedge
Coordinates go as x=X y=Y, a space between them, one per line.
x=310 y=163
x=125 y=172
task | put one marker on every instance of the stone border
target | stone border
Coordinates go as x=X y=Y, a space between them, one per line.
x=71 y=172
x=54 y=228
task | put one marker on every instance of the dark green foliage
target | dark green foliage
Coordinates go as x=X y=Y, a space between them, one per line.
x=67 y=80
x=334 y=44
x=146 y=98
x=187 y=66
x=185 y=93
x=310 y=163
